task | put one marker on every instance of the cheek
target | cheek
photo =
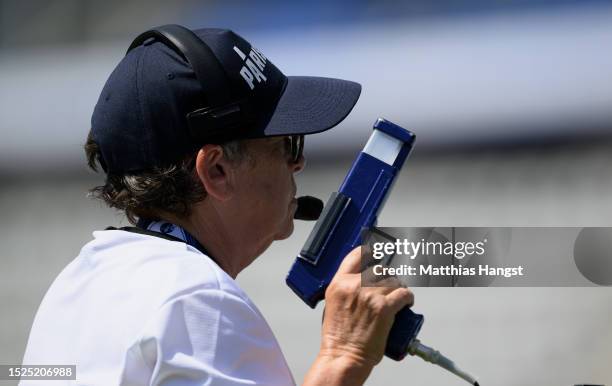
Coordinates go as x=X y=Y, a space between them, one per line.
x=276 y=199
x=267 y=193
x=266 y=198
x=278 y=185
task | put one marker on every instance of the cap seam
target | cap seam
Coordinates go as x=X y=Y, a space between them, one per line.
x=141 y=106
x=221 y=66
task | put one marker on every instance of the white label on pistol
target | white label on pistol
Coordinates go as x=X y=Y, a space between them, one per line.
x=383 y=146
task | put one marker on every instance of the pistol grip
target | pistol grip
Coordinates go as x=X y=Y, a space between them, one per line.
x=405 y=328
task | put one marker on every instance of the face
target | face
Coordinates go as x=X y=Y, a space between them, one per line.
x=265 y=189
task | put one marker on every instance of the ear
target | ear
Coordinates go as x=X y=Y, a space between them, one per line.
x=215 y=172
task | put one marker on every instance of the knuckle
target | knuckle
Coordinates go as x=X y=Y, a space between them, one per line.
x=332 y=289
x=407 y=295
x=341 y=288
x=367 y=297
x=374 y=301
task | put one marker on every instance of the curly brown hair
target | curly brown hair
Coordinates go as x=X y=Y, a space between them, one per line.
x=172 y=189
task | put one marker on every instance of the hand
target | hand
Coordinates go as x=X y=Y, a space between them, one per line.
x=358 y=319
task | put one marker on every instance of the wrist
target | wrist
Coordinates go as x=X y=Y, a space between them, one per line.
x=343 y=368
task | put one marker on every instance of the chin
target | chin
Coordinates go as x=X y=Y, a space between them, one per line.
x=286 y=232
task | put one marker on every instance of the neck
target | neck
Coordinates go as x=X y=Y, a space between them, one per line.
x=227 y=243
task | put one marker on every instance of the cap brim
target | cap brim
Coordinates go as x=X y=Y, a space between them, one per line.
x=312 y=104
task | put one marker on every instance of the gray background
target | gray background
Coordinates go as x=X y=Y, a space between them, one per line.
x=507 y=336
x=510 y=102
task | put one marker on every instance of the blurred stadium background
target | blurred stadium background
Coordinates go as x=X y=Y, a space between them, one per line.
x=511 y=102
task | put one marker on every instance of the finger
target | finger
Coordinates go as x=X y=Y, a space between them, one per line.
x=369 y=278
x=384 y=287
x=392 y=282
x=352 y=262
x=400 y=298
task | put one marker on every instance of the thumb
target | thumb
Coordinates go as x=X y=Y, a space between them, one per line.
x=352 y=262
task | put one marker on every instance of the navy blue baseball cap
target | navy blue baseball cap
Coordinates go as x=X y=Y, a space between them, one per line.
x=167 y=98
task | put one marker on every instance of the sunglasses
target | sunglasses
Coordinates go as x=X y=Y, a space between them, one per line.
x=295 y=147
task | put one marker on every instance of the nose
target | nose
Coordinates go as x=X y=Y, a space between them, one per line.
x=298 y=166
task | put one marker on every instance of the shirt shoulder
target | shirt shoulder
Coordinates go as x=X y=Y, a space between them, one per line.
x=206 y=337
x=205 y=330
x=161 y=265
x=159 y=311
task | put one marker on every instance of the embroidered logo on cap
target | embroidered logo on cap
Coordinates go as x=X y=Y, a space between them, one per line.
x=253 y=67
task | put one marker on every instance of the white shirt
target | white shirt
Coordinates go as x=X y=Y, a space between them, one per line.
x=136 y=309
